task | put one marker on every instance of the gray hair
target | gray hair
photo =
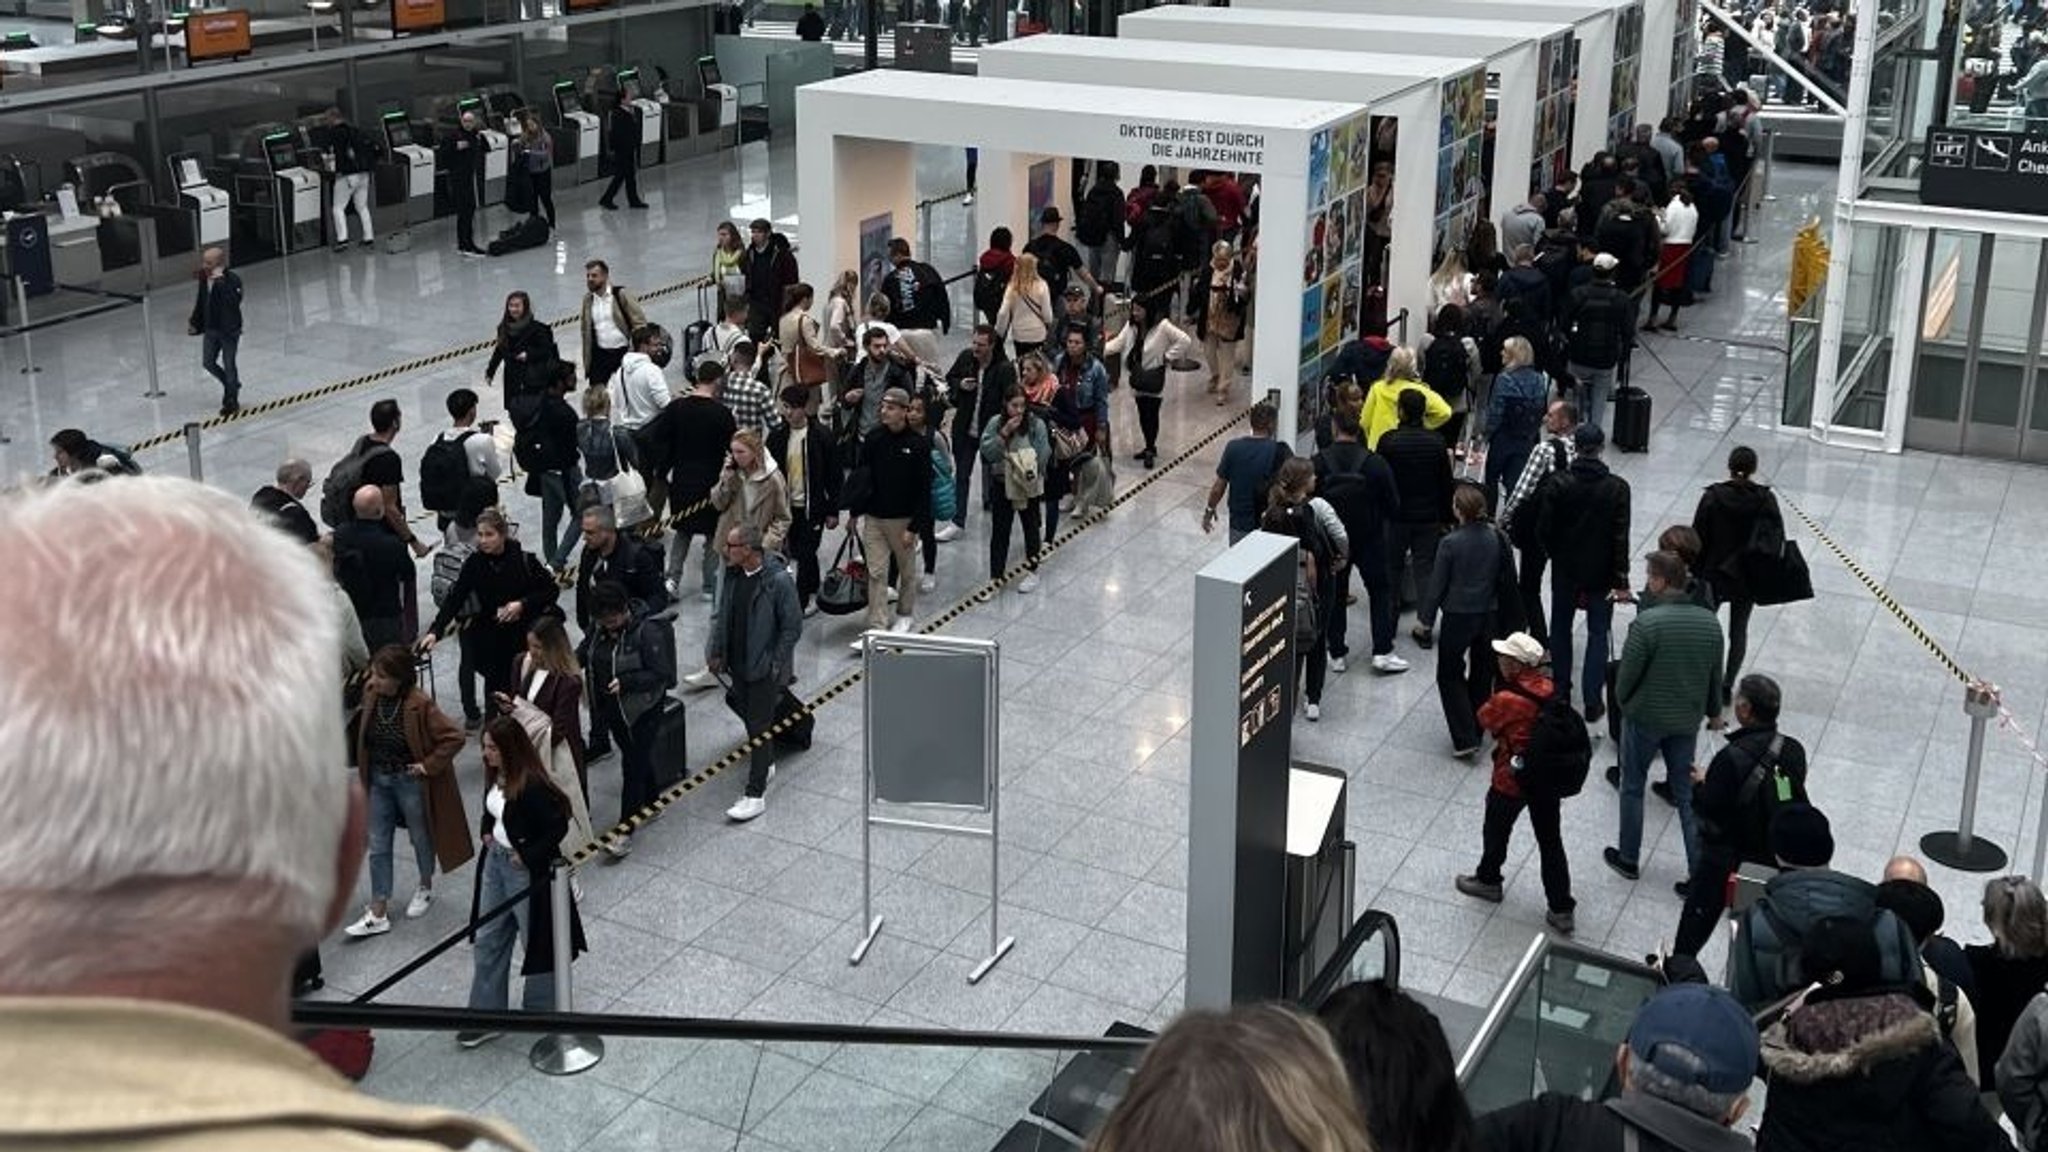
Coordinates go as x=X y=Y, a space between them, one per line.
x=605 y=516
x=1651 y=1080
x=194 y=752
x=749 y=535
x=294 y=472
x=1763 y=695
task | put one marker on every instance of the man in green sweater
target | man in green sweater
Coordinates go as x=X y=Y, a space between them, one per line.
x=1670 y=679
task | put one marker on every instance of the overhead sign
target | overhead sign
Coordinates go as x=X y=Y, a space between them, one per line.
x=1992 y=171
x=216 y=36
x=418 y=15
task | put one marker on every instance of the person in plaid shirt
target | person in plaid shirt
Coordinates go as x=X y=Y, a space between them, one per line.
x=1550 y=456
x=746 y=394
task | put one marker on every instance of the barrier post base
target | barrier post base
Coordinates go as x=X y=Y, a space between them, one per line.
x=566 y=1055
x=1975 y=855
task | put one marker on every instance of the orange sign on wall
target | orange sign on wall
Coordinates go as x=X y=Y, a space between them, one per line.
x=216 y=35
x=418 y=15
x=586 y=5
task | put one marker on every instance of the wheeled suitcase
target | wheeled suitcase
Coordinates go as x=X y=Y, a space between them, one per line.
x=670 y=755
x=1631 y=419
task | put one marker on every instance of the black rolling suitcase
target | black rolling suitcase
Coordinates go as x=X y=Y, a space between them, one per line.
x=670 y=755
x=1631 y=412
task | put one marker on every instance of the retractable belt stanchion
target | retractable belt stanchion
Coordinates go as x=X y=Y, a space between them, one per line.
x=564 y=1054
x=193 y=463
x=1963 y=849
x=156 y=389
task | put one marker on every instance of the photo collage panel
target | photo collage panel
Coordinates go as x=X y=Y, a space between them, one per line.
x=1333 y=259
x=1628 y=71
x=1460 y=160
x=1555 y=79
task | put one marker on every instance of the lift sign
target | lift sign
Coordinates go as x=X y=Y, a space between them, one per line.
x=1992 y=171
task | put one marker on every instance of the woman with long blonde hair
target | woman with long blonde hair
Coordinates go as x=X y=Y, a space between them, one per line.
x=1026 y=312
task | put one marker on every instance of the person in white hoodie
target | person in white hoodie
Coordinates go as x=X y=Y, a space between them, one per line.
x=640 y=387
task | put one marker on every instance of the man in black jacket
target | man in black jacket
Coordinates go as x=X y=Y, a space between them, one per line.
x=979 y=379
x=1600 y=327
x=374 y=567
x=1422 y=476
x=281 y=501
x=1359 y=486
x=462 y=158
x=217 y=319
x=622 y=150
x=770 y=268
x=805 y=454
x=918 y=301
x=897 y=509
x=867 y=379
x=609 y=554
x=1685 y=1072
x=1733 y=800
x=1583 y=525
x=692 y=435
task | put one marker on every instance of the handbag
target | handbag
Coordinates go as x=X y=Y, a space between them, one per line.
x=844 y=589
x=1778 y=579
x=629 y=498
x=808 y=368
x=1068 y=444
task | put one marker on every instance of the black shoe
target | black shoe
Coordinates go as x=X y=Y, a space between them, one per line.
x=1425 y=638
x=1663 y=792
x=341 y=248
x=230 y=407
x=607 y=205
x=1683 y=888
x=1151 y=458
x=1614 y=776
x=1595 y=711
x=472 y=720
x=367 y=244
x=1622 y=868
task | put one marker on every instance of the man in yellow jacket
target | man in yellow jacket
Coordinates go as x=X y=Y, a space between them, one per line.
x=1382 y=412
x=172 y=726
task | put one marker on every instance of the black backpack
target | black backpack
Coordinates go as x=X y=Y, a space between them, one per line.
x=1529 y=513
x=1156 y=260
x=1621 y=237
x=445 y=481
x=989 y=284
x=1447 y=367
x=1096 y=220
x=1559 y=753
x=338 y=491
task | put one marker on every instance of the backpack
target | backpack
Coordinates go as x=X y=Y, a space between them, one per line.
x=338 y=491
x=1558 y=754
x=944 y=494
x=1446 y=367
x=1529 y=513
x=1156 y=260
x=1022 y=481
x=988 y=290
x=1622 y=238
x=444 y=473
x=1097 y=217
x=599 y=448
x=1764 y=962
x=448 y=561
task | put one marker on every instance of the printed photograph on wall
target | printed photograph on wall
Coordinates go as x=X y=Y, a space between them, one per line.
x=1685 y=57
x=1460 y=179
x=1552 y=154
x=1038 y=191
x=1628 y=69
x=875 y=232
x=1333 y=261
x=1333 y=313
x=1312 y=323
x=1319 y=167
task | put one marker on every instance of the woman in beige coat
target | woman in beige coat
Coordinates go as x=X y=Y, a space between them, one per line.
x=752 y=491
x=798 y=337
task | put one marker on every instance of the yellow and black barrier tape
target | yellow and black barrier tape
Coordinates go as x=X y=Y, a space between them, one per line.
x=1883 y=594
x=745 y=749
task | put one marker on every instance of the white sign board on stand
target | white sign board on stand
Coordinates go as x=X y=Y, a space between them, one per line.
x=855 y=135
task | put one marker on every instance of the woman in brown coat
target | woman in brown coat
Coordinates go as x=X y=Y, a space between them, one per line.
x=405 y=752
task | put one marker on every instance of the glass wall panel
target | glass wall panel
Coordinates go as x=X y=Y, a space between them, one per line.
x=1948 y=304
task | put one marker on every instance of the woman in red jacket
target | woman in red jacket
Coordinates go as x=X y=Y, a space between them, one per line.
x=1510 y=715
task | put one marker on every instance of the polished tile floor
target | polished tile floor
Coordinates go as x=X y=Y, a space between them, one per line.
x=756 y=921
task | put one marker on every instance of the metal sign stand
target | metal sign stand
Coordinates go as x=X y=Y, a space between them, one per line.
x=910 y=762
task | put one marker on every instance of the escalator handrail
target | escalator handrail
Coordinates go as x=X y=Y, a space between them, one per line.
x=317 y=1014
x=1372 y=922
x=1510 y=994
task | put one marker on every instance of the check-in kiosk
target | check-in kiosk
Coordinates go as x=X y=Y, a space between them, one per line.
x=294 y=191
x=414 y=165
x=640 y=96
x=206 y=217
x=721 y=101
x=577 y=141
x=497 y=148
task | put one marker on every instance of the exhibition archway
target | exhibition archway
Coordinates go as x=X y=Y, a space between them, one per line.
x=1429 y=200
x=856 y=179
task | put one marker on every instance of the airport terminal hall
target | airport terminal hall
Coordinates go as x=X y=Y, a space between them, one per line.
x=1023 y=575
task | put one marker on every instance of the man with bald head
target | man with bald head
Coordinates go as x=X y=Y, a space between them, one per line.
x=282 y=502
x=217 y=319
x=1944 y=968
x=375 y=568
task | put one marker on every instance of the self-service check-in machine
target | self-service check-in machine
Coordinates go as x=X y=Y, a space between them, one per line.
x=721 y=106
x=295 y=190
x=206 y=215
x=497 y=148
x=414 y=166
x=577 y=146
x=640 y=96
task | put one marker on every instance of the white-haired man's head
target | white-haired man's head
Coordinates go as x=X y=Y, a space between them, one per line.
x=169 y=747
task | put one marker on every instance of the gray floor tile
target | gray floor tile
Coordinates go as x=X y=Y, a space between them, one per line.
x=556 y=1112
x=646 y=1126
x=1119 y=970
x=1067 y=888
x=832 y=1113
x=936 y=1130
x=730 y=1084
x=767 y=935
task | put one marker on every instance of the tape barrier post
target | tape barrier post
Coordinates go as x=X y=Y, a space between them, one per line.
x=564 y=1053
x=1963 y=849
x=192 y=460
x=156 y=389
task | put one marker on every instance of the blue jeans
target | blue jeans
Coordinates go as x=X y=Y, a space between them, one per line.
x=393 y=794
x=1596 y=388
x=558 y=496
x=496 y=953
x=217 y=356
x=1564 y=601
x=1638 y=747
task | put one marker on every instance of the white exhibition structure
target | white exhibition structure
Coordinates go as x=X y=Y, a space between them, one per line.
x=855 y=164
x=1407 y=88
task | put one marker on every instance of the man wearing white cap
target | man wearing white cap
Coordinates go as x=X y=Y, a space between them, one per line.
x=1530 y=757
x=1601 y=319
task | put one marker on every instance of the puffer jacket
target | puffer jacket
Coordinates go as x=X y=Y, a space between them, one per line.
x=1510 y=715
x=1869 y=1074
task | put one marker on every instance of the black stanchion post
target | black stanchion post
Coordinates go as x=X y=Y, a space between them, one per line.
x=1963 y=849
x=562 y=1053
x=192 y=460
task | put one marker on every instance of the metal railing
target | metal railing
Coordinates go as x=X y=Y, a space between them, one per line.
x=1372 y=925
x=1523 y=981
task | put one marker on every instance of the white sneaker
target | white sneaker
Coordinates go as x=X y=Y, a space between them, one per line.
x=700 y=681
x=946 y=532
x=1029 y=583
x=707 y=596
x=1337 y=664
x=810 y=610
x=370 y=925
x=422 y=900
x=927 y=583
x=1389 y=663
x=892 y=593
x=668 y=585
x=747 y=808
x=903 y=624
x=967 y=201
x=1314 y=710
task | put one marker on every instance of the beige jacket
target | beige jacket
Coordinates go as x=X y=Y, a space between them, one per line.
x=112 y=1075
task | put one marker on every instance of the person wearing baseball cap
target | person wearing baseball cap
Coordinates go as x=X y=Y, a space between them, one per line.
x=1684 y=1071
x=1511 y=715
x=1600 y=317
